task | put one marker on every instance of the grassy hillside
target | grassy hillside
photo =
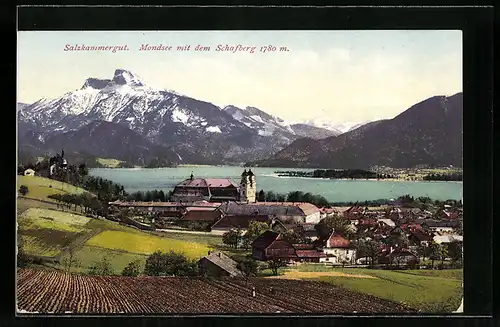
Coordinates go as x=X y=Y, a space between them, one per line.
x=40 y=187
x=49 y=233
x=428 y=291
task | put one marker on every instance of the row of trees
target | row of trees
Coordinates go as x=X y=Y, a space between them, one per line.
x=88 y=203
x=294 y=196
x=444 y=177
x=155 y=195
x=336 y=174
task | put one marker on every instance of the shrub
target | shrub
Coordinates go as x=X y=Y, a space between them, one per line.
x=101 y=268
x=133 y=269
x=23 y=190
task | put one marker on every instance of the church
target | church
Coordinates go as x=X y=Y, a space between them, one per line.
x=217 y=189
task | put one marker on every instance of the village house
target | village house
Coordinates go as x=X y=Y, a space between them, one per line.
x=442 y=230
x=269 y=245
x=439 y=239
x=338 y=250
x=387 y=222
x=217 y=264
x=29 y=172
x=419 y=237
x=201 y=214
x=398 y=255
x=353 y=213
x=287 y=212
x=309 y=255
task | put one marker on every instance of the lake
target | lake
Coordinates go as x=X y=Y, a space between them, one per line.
x=143 y=179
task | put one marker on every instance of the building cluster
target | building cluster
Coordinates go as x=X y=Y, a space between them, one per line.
x=223 y=206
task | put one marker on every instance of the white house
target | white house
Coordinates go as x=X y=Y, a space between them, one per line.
x=442 y=230
x=338 y=250
x=388 y=222
x=29 y=172
x=447 y=238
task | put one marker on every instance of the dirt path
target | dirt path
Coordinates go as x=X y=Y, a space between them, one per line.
x=295 y=274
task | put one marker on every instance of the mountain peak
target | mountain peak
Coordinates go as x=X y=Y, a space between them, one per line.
x=123 y=76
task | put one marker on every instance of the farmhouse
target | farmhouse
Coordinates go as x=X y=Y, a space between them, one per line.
x=269 y=245
x=217 y=264
x=399 y=256
x=29 y=172
x=337 y=250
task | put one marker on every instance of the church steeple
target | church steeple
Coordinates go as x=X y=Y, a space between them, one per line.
x=248 y=188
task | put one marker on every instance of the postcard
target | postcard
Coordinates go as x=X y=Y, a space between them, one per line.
x=239 y=172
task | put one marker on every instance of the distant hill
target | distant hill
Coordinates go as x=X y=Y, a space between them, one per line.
x=430 y=132
x=110 y=140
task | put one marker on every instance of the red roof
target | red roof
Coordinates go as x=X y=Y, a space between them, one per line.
x=303 y=246
x=199 y=215
x=310 y=254
x=207 y=182
x=367 y=222
x=337 y=241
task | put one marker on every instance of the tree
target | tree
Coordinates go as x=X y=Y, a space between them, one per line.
x=71 y=260
x=155 y=264
x=255 y=229
x=133 y=269
x=443 y=253
x=293 y=237
x=23 y=190
x=368 y=249
x=275 y=263
x=232 y=238
x=433 y=252
x=422 y=251
x=248 y=266
x=455 y=251
x=397 y=238
x=271 y=196
x=101 y=268
x=261 y=196
x=335 y=222
x=169 y=264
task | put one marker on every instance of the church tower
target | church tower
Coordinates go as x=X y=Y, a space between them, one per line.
x=248 y=187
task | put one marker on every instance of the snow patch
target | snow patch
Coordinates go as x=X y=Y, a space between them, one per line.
x=213 y=129
x=131 y=119
x=179 y=156
x=265 y=133
x=257 y=118
x=204 y=123
x=179 y=116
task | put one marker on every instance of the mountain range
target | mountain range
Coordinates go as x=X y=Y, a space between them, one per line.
x=140 y=123
x=125 y=119
x=428 y=133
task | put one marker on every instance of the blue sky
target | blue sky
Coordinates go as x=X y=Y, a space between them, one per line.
x=339 y=75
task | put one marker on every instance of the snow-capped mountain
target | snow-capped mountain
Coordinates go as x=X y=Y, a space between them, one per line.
x=265 y=124
x=335 y=126
x=197 y=131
